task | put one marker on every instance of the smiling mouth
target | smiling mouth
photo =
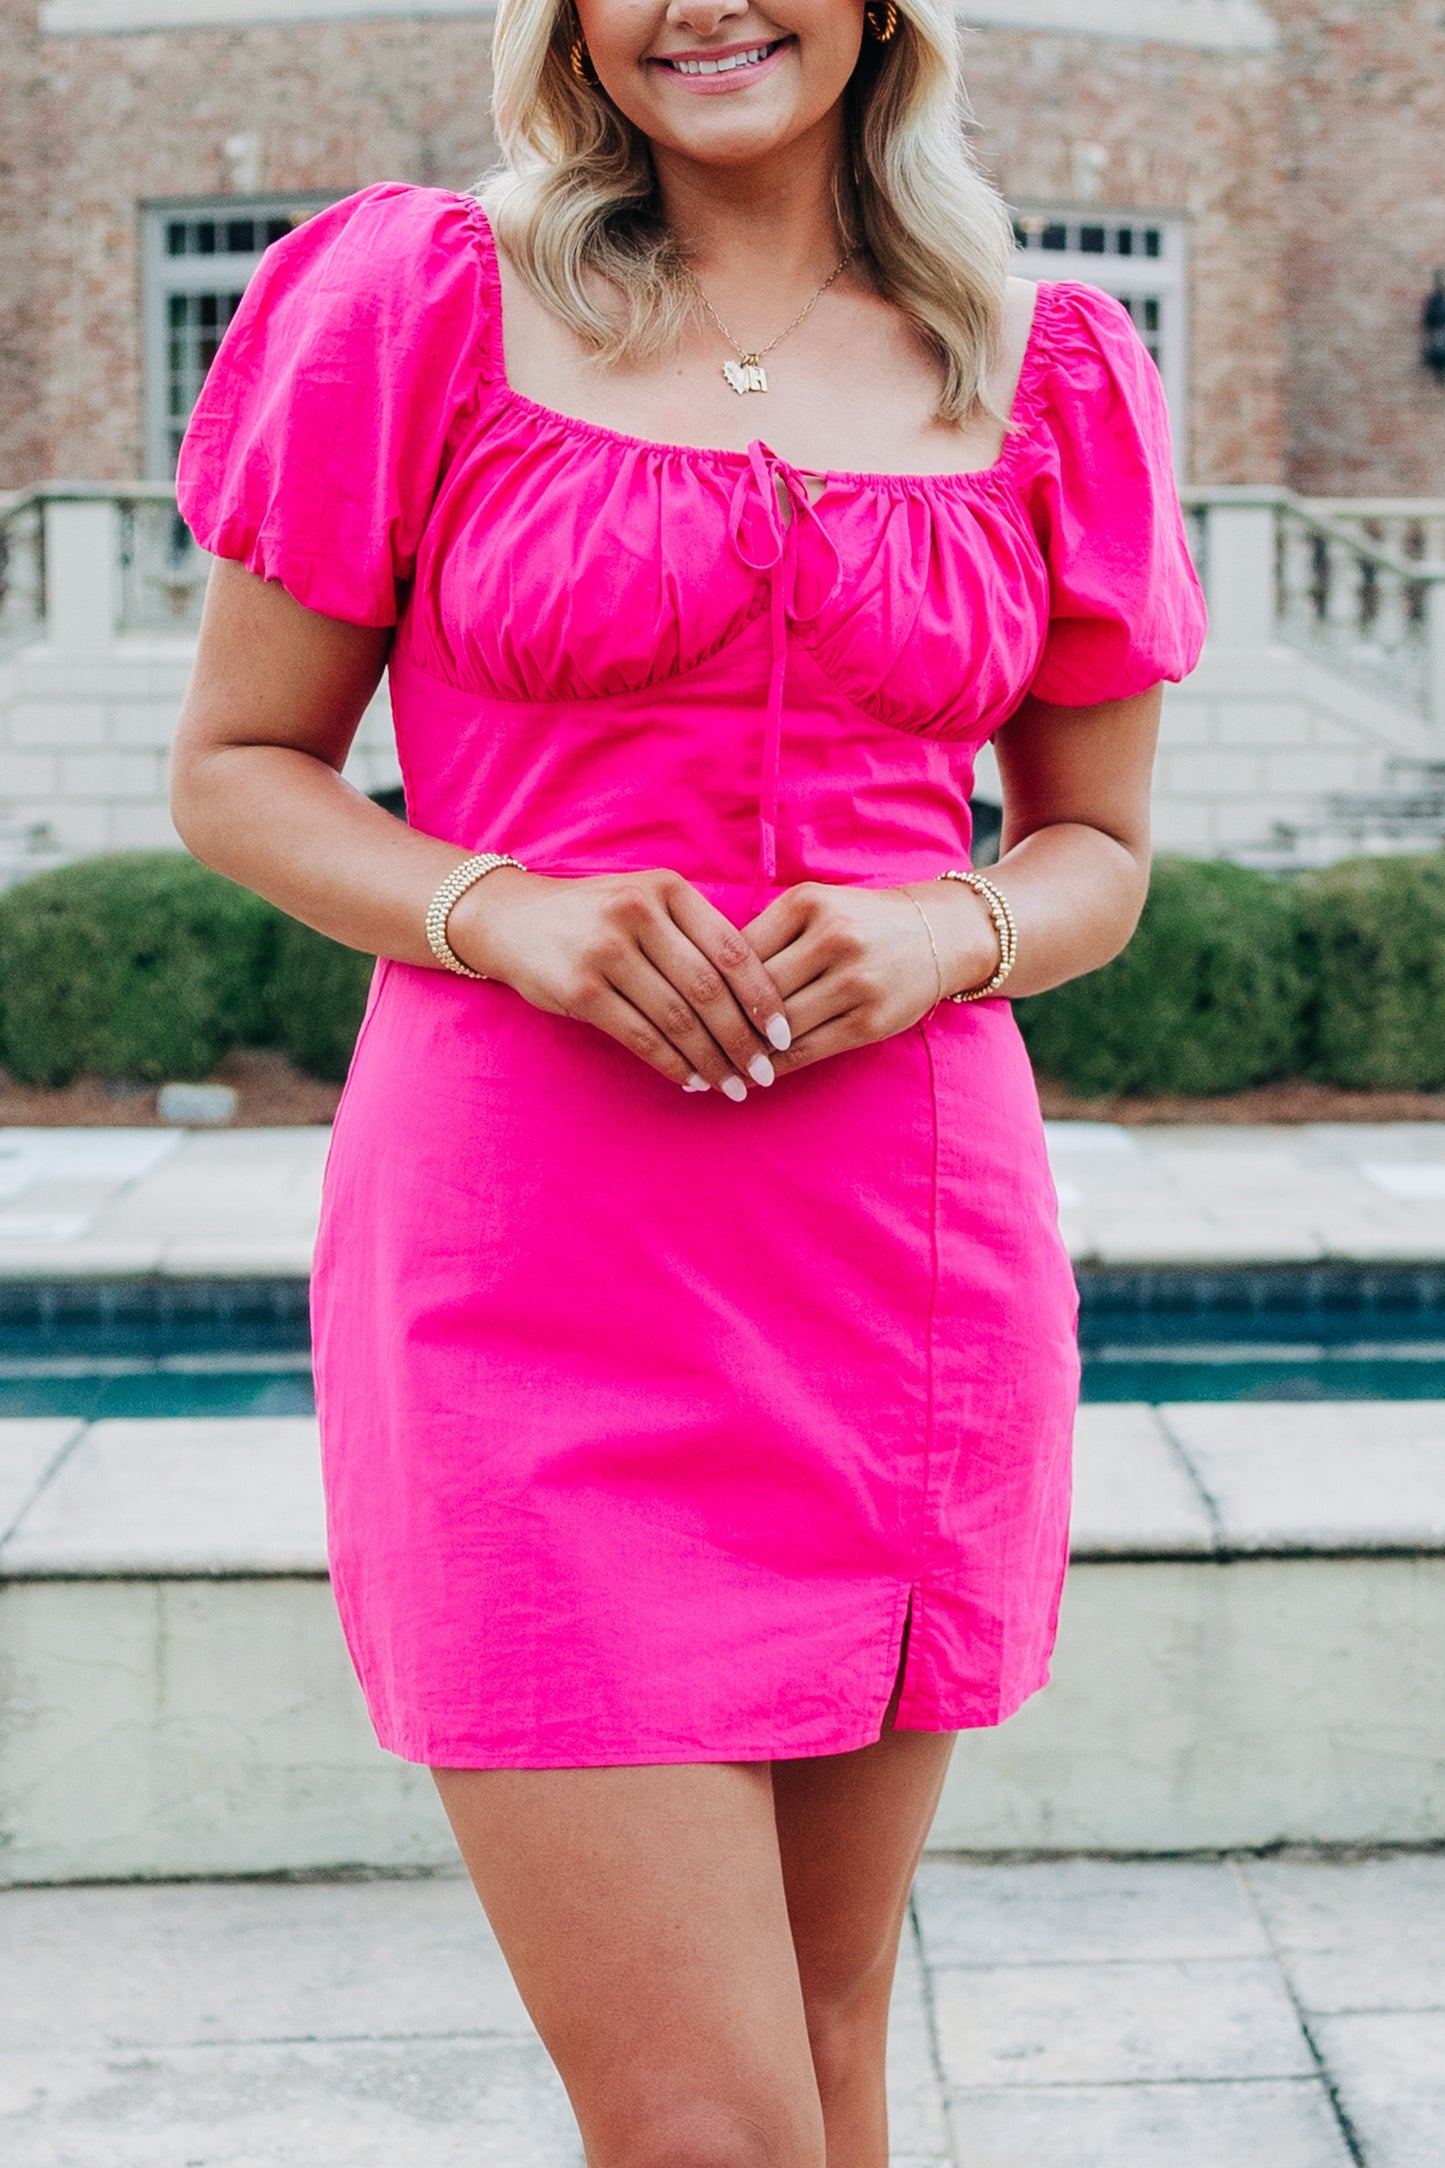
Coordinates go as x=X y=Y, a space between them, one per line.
x=728 y=63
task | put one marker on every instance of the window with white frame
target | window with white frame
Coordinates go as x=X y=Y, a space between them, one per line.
x=199 y=258
x=1141 y=261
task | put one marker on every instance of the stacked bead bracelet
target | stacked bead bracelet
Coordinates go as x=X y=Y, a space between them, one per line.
x=453 y=888
x=1003 y=926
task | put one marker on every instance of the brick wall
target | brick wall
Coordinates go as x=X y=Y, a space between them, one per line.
x=1184 y=133
x=24 y=134
x=335 y=106
x=1364 y=103
x=1311 y=180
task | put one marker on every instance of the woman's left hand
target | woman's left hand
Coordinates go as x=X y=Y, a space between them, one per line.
x=855 y=965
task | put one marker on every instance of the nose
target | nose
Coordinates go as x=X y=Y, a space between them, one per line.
x=704 y=17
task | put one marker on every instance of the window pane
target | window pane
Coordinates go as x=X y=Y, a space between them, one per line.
x=1091 y=240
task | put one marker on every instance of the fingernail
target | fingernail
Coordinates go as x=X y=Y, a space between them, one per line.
x=734 y=1088
x=697 y=1083
x=779 y=1033
x=760 y=1069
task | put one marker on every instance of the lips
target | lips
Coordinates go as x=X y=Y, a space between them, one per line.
x=734 y=63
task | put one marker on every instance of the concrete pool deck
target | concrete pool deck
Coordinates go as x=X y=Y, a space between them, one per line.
x=107 y=1203
x=1282 y=2013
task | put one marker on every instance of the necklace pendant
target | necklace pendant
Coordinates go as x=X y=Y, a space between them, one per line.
x=746 y=374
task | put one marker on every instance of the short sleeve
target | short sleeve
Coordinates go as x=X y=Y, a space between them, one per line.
x=1126 y=610
x=320 y=435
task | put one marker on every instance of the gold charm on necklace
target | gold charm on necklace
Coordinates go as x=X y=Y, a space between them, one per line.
x=746 y=374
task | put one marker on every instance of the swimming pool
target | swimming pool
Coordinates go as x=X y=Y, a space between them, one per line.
x=94 y=1349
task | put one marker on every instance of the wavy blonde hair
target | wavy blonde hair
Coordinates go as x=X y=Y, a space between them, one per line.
x=576 y=200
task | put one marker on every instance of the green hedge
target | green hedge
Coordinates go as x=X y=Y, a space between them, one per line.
x=143 y=966
x=315 y=999
x=1373 y=943
x=148 y=966
x=1211 y=994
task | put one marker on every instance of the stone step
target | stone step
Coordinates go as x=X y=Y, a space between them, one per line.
x=1249 y=1651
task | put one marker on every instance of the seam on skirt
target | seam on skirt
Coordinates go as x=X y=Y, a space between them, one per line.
x=912 y=1698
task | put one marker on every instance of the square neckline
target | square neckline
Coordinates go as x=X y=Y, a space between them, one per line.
x=999 y=469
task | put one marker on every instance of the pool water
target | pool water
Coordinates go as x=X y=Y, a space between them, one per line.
x=1266 y=1333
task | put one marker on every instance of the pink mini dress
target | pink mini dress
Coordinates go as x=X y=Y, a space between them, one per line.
x=649 y=1421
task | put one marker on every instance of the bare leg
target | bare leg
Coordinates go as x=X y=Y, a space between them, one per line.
x=643 y=1914
x=851 y=1828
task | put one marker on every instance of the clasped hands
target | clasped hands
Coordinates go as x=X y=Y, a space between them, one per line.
x=644 y=957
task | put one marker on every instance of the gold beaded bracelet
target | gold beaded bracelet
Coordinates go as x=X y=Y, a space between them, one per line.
x=1003 y=926
x=453 y=888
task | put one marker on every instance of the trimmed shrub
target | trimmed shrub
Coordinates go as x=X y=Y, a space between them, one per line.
x=1208 y=997
x=1373 y=935
x=143 y=965
x=316 y=998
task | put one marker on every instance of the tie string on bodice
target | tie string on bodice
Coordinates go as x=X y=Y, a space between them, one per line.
x=770 y=545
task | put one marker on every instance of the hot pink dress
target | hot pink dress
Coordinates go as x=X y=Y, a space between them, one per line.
x=649 y=1420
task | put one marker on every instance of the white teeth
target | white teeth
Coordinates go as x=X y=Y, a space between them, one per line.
x=722 y=67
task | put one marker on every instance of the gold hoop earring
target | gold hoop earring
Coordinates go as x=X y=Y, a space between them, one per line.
x=582 y=68
x=882 y=25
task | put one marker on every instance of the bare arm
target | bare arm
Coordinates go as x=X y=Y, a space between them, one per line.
x=257 y=793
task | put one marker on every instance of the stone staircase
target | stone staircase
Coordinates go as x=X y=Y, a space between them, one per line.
x=1407 y=814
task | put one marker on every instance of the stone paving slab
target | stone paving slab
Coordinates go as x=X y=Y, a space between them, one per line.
x=1135 y=1495
x=1086 y=1912
x=1073 y=2013
x=237 y=1202
x=1269 y=2124
x=29 y=1450
x=1369 y=1939
x=1170 y=2020
x=1352 y=1475
x=1390 y=2068
x=178 y=1496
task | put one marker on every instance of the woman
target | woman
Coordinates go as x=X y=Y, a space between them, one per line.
x=694 y=1340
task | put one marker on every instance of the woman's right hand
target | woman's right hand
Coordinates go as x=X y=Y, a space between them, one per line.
x=643 y=957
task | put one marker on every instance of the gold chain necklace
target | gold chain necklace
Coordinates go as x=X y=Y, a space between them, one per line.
x=747 y=372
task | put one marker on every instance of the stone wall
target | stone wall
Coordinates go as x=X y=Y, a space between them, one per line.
x=1364 y=226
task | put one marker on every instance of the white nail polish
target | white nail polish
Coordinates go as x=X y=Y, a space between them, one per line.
x=734 y=1088
x=779 y=1033
x=697 y=1084
x=760 y=1069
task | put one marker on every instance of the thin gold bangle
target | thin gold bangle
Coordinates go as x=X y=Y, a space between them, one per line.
x=1003 y=926
x=932 y=945
x=453 y=888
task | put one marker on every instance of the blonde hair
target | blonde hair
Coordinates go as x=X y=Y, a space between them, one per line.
x=576 y=200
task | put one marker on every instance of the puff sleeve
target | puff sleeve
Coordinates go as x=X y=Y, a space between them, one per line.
x=320 y=436
x=1126 y=610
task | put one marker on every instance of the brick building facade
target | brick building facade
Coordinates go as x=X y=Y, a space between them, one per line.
x=1296 y=155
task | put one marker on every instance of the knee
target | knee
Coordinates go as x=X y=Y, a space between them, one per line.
x=702 y=2133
